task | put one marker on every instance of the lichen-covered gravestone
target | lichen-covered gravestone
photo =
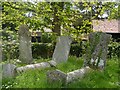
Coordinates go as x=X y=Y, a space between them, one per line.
x=62 y=49
x=25 y=52
x=97 y=51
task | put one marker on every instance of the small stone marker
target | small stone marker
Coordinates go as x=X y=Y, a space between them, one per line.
x=56 y=76
x=97 y=52
x=8 y=70
x=62 y=49
x=25 y=52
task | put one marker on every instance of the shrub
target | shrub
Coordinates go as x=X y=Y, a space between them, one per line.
x=114 y=49
x=44 y=50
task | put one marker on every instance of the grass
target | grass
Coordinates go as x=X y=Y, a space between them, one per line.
x=95 y=79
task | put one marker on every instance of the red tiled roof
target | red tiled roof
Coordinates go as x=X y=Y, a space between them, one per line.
x=109 y=26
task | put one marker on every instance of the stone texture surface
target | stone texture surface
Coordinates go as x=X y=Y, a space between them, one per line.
x=8 y=70
x=97 y=52
x=62 y=49
x=77 y=74
x=25 y=52
x=41 y=65
x=52 y=63
x=56 y=76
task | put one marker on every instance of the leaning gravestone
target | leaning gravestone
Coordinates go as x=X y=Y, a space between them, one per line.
x=62 y=49
x=25 y=52
x=97 y=51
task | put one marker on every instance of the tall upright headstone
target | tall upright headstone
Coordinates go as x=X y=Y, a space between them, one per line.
x=62 y=49
x=25 y=51
x=97 y=52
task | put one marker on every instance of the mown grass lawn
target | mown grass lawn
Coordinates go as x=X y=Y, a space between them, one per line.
x=95 y=79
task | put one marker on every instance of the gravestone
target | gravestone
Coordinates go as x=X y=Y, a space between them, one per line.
x=8 y=70
x=56 y=76
x=97 y=52
x=25 y=52
x=62 y=49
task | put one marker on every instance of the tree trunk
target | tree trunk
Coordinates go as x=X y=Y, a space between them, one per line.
x=56 y=20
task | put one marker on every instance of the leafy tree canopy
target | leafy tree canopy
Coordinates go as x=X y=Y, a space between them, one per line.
x=72 y=18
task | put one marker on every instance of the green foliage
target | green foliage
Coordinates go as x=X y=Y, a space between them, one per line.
x=70 y=18
x=72 y=64
x=46 y=38
x=44 y=50
x=9 y=44
x=114 y=49
x=7 y=83
x=76 y=49
x=97 y=79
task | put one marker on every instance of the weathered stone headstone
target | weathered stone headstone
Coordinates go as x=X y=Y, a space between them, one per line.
x=97 y=52
x=62 y=49
x=25 y=52
x=56 y=76
x=8 y=70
